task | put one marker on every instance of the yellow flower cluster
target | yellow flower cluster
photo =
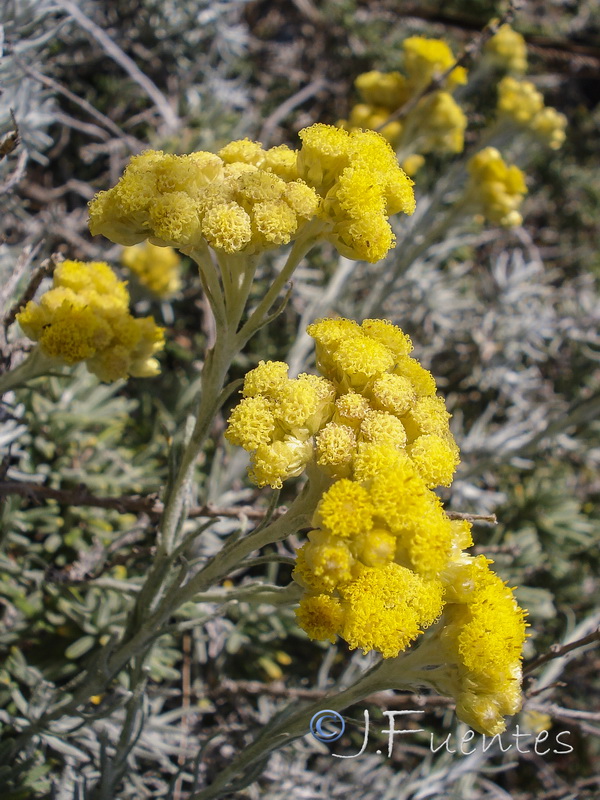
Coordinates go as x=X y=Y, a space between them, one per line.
x=481 y=641
x=241 y=199
x=277 y=419
x=425 y=59
x=157 y=268
x=523 y=104
x=436 y=124
x=495 y=188
x=373 y=401
x=85 y=317
x=247 y=199
x=371 y=567
x=507 y=50
x=383 y=561
x=361 y=185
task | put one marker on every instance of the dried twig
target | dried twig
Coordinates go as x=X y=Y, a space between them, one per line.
x=124 y=61
x=17 y=175
x=125 y=504
x=134 y=144
x=558 y=650
x=152 y=506
x=45 y=270
x=279 y=689
x=281 y=112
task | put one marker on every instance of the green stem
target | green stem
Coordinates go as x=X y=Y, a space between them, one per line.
x=297 y=517
x=34 y=366
x=408 y=675
x=299 y=249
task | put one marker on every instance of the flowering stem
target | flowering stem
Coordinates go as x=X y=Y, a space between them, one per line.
x=299 y=249
x=34 y=366
x=297 y=517
x=292 y=726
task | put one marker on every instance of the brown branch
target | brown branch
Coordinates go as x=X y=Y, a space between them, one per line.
x=491 y=518
x=279 y=689
x=558 y=650
x=151 y=505
x=124 y=504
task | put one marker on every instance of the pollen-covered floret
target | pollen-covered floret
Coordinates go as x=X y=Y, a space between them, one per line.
x=483 y=636
x=394 y=394
x=320 y=616
x=251 y=423
x=85 y=317
x=274 y=462
x=345 y=509
x=436 y=459
x=335 y=446
x=350 y=409
x=383 y=428
x=386 y=608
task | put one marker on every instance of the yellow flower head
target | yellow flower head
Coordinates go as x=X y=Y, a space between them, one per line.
x=386 y=89
x=244 y=150
x=273 y=463
x=157 y=268
x=436 y=459
x=425 y=59
x=320 y=616
x=383 y=428
x=386 y=608
x=519 y=100
x=394 y=394
x=361 y=184
x=388 y=334
x=85 y=317
x=438 y=124
x=244 y=199
x=350 y=410
x=265 y=379
x=549 y=126
x=412 y=164
x=335 y=446
x=251 y=423
x=507 y=50
x=277 y=418
x=345 y=510
x=496 y=188
x=375 y=548
x=427 y=415
x=364 y=115
x=484 y=636
x=357 y=421
x=281 y=160
x=329 y=560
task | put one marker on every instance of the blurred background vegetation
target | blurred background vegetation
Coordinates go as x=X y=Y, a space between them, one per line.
x=507 y=322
